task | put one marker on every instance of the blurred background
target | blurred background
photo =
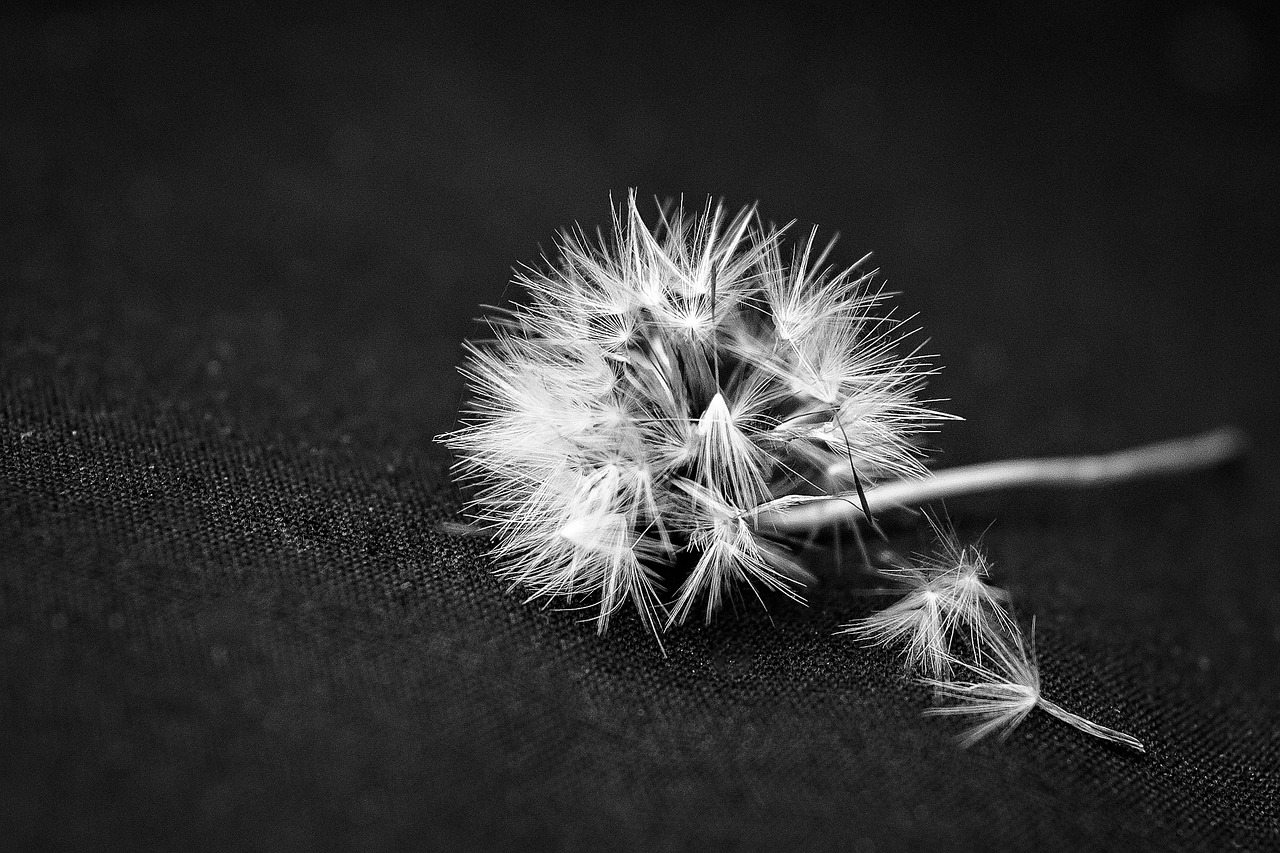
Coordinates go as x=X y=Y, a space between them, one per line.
x=1028 y=178
x=243 y=246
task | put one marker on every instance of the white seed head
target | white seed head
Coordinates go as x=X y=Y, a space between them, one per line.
x=658 y=385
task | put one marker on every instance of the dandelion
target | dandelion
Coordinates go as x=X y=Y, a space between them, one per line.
x=691 y=393
x=1002 y=692
x=674 y=403
x=658 y=388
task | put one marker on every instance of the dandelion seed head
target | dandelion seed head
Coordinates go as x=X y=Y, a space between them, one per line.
x=660 y=383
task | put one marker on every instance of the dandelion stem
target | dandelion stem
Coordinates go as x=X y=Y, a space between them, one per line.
x=1161 y=459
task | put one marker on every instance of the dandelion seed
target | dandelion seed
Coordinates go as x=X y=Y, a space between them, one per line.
x=1001 y=694
x=658 y=386
x=918 y=623
x=947 y=597
x=731 y=554
x=974 y=609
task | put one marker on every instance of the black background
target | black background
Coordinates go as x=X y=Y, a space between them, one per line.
x=239 y=251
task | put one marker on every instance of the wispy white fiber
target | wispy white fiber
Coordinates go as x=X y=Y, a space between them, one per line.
x=952 y=627
x=659 y=383
x=947 y=599
x=1001 y=692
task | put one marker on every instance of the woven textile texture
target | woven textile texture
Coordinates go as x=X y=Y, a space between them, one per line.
x=239 y=252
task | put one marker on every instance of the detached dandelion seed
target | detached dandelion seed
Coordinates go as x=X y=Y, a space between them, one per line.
x=953 y=628
x=1002 y=692
x=947 y=598
x=917 y=622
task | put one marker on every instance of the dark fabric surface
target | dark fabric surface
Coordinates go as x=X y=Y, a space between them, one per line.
x=240 y=251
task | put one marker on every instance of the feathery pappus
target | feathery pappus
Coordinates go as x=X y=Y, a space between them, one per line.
x=954 y=631
x=662 y=384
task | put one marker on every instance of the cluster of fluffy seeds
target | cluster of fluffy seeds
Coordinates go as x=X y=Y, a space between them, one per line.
x=954 y=630
x=661 y=385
